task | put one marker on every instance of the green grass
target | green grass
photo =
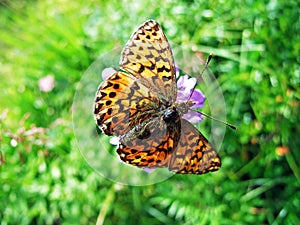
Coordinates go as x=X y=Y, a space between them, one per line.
x=45 y=180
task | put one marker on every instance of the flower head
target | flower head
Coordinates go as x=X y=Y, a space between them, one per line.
x=47 y=83
x=187 y=92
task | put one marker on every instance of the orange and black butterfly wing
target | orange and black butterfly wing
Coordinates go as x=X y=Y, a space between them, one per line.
x=148 y=55
x=120 y=100
x=150 y=143
x=191 y=154
x=194 y=154
x=131 y=96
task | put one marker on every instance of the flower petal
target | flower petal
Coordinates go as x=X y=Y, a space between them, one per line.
x=186 y=86
x=181 y=81
x=107 y=72
x=149 y=170
x=114 y=140
x=177 y=71
x=193 y=117
x=198 y=98
x=182 y=96
x=190 y=84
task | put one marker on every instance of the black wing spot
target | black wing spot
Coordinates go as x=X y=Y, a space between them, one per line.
x=150 y=56
x=162 y=50
x=116 y=77
x=142 y=68
x=108 y=102
x=116 y=86
x=163 y=68
x=166 y=78
x=152 y=67
x=133 y=151
x=112 y=94
x=109 y=111
x=98 y=108
x=102 y=95
x=151 y=160
x=108 y=84
x=100 y=120
x=108 y=125
x=115 y=119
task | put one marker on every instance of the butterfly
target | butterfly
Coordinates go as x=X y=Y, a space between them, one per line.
x=138 y=105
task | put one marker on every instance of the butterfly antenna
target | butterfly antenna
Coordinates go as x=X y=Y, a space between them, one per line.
x=221 y=121
x=203 y=70
x=204 y=114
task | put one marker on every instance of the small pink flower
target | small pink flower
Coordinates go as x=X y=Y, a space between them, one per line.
x=46 y=84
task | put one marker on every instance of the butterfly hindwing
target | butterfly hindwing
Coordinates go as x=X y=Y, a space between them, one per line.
x=150 y=143
x=194 y=154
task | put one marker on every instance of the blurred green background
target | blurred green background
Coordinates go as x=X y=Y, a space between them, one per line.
x=45 y=180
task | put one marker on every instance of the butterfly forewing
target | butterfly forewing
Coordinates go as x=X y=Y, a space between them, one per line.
x=147 y=54
x=121 y=102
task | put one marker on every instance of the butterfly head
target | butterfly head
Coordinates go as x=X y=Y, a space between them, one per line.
x=189 y=99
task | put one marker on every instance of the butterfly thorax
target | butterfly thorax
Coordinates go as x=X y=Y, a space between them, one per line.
x=183 y=107
x=171 y=115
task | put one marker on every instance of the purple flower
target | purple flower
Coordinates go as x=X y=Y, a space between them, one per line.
x=187 y=92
